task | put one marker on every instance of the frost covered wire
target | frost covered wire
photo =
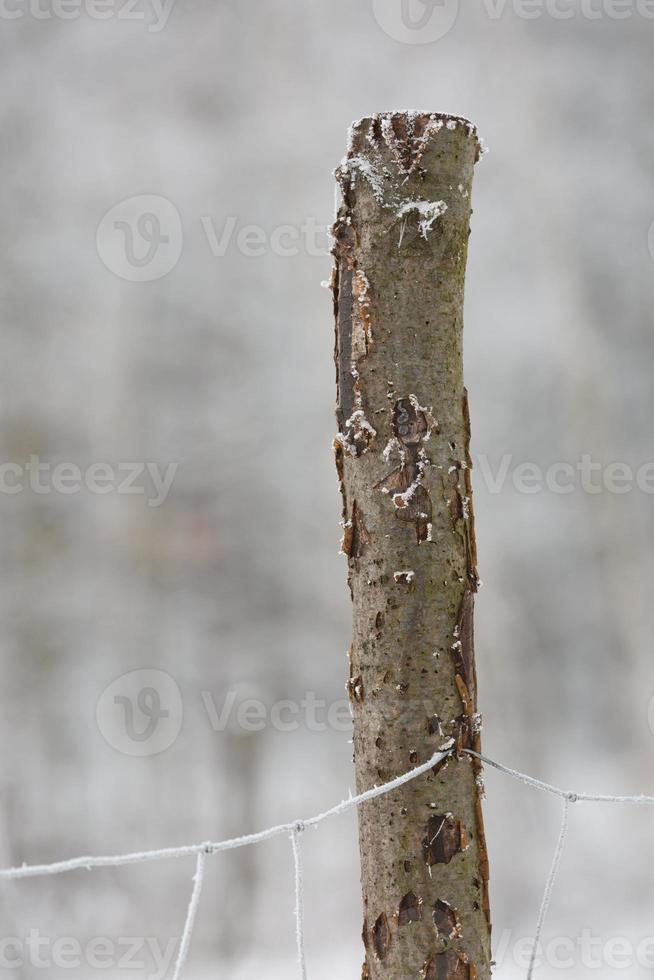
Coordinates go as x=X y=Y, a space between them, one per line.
x=185 y=942
x=296 y=841
x=139 y=857
x=549 y=885
x=568 y=797
x=295 y=830
x=556 y=790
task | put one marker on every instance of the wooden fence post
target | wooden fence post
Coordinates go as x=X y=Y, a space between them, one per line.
x=403 y=459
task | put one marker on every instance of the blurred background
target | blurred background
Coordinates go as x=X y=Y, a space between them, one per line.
x=169 y=506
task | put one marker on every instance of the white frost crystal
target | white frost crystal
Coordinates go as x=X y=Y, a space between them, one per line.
x=428 y=212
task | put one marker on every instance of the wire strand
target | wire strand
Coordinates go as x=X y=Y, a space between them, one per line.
x=185 y=942
x=556 y=790
x=549 y=886
x=139 y=857
x=296 y=842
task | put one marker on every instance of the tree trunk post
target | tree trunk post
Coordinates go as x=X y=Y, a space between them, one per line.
x=403 y=460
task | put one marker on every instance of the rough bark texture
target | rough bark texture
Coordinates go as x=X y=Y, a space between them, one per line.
x=403 y=459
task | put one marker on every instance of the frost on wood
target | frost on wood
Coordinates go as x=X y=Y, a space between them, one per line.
x=427 y=212
x=404 y=465
x=392 y=145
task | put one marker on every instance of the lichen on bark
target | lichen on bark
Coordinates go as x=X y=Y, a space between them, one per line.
x=403 y=458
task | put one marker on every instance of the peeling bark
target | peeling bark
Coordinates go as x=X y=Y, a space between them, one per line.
x=446 y=920
x=410 y=910
x=403 y=461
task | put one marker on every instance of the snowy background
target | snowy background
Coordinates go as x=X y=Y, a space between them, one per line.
x=236 y=114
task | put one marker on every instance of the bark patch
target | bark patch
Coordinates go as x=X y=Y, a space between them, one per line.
x=340 y=472
x=343 y=352
x=360 y=536
x=471 y=537
x=434 y=726
x=445 y=837
x=412 y=426
x=446 y=920
x=356 y=689
x=410 y=909
x=463 y=650
x=451 y=965
x=381 y=937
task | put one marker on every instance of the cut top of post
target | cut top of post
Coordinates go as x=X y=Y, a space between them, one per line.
x=406 y=135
